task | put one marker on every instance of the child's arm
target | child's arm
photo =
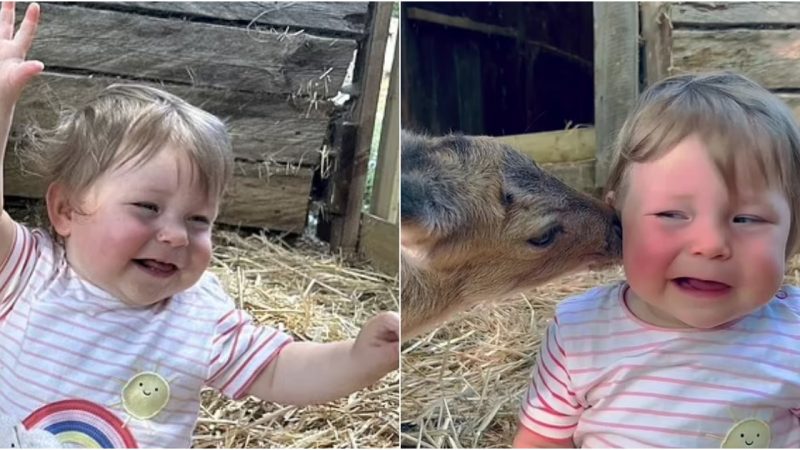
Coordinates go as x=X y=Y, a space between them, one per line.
x=306 y=372
x=15 y=72
x=526 y=438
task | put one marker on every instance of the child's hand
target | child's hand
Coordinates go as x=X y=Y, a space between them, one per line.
x=15 y=71
x=377 y=346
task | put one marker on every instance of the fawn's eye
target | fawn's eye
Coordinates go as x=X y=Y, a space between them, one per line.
x=547 y=238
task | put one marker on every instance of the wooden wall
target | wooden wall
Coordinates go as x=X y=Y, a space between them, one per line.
x=758 y=39
x=268 y=69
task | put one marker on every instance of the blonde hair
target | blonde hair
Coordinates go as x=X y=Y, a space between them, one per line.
x=129 y=123
x=746 y=128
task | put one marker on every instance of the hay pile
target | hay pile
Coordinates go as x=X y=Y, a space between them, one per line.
x=463 y=383
x=313 y=296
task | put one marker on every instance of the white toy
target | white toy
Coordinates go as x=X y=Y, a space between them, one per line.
x=14 y=435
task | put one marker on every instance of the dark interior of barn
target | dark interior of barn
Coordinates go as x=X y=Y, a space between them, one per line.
x=496 y=68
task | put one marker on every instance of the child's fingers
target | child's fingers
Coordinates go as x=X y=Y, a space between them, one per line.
x=25 y=71
x=27 y=30
x=7 y=20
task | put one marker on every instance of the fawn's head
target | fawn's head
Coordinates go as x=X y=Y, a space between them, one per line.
x=474 y=208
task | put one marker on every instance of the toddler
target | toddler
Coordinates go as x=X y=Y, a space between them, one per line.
x=109 y=323
x=698 y=347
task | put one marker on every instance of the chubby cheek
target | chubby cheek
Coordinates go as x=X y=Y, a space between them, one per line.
x=647 y=253
x=201 y=251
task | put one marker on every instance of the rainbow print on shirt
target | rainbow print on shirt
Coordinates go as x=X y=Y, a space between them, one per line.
x=81 y=423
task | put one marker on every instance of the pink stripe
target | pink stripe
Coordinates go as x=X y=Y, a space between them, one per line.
x=661 y=413
x=678 y=398
x=155 y=331
x=246 y=363
x=647 y=366
x=689 y=383
x=547 y=406
x=230 y=353
x=553 y=357
x=113 y=337
x=544 y=366
x=544 y=383
x=547 y=425
x=608 y=336
x=258 y=371
x=677 y=431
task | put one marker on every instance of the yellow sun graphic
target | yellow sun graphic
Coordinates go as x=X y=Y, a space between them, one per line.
x=749 y=432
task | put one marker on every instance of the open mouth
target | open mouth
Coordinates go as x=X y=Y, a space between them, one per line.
x=156 y=268
x=702 y=288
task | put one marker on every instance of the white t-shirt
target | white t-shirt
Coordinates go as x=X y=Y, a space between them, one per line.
x=607 y=379
x=93 y=371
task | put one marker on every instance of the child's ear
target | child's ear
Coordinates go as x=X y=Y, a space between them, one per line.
x=59 y=209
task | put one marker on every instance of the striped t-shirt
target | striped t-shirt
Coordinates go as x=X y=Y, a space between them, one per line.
x=607 y=379
x=93 y=371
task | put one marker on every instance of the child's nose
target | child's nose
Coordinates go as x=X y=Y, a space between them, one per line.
x=711 y=241
x=174 y=235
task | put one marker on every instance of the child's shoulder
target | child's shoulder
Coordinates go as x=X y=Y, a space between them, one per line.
x=595 y=300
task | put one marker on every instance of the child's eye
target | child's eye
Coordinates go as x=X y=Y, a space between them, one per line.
x=748 y=219
x=671 y=215
x=147 y=206
x=201 y=220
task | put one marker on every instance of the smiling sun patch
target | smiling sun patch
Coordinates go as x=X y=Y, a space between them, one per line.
x=145 y=395
x=748 y=433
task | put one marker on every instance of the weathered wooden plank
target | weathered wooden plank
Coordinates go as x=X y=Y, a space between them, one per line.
x=616 y=74
x=770 y=57
x=380 y=242
x=576 y=144
x=734 y=13
x=340 y=17
x=199 y=54
x=657 y=35
x=255 y=197
x=277 y=200
x=263 y=127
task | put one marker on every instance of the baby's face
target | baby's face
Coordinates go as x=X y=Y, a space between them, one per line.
x=695 y=255
x=146 y=234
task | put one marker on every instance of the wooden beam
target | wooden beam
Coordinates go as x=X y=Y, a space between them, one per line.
x=657 y=34
x=263 y=127
x=370 y=74
x=257 y=196
x=577 y=144
x=386 y=185
x=688 y=14
x=197 y=54
x=616 y=43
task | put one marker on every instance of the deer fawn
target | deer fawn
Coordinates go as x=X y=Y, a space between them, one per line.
x=482 y=222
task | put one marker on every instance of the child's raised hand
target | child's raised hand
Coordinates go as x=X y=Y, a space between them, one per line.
x=377 y=346
x=15 y=71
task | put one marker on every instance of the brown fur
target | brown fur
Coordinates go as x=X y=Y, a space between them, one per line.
x=475 y=220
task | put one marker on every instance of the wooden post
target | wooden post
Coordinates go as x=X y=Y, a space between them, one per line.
x=385 y=190
x=657 y=34
x=616 y=74
x=369 y=71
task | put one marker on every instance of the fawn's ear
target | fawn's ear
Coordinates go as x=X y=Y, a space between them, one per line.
x=59 y=209
x=611 y=198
